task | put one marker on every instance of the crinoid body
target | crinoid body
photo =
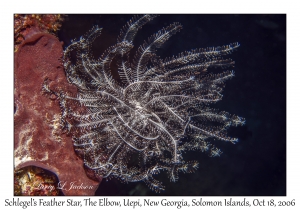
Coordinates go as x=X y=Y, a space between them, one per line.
x=135 y=128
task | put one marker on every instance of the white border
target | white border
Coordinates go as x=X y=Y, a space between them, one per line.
x=8 y=8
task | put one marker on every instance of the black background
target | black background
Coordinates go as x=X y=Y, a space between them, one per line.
x=256 y=165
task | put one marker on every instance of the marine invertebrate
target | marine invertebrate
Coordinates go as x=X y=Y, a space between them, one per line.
x=135 y=128
x=25 y=25
x=38 y=138
x=33 y=180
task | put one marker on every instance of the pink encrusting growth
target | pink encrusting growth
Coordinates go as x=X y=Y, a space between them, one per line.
x=39 y=139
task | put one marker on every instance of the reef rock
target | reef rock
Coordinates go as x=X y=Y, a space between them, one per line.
x=38 y=137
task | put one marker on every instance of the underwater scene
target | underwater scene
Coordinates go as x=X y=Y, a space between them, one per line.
x=162 y=104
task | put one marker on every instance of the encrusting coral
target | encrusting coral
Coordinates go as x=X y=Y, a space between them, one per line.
x=38 y=136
